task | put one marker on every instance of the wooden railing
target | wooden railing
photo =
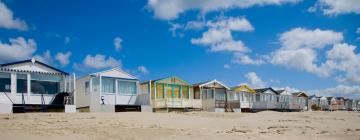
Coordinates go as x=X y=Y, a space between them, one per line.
x=176 y=103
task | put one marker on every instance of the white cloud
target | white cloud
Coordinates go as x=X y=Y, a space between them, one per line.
x=63 y=58
x=255 y=81
x=232 y=23
x=336 y=7
x=143 y=70
x=8 y=21
x=45 y=57
x=343 y=58
x=117 y=43
x=239 y=58
x=219 y=35
x=17 y=49
x=194 y=25
x=339 y=91
x=227 y=66
x=299 y=49
x=220 y=40
x=170 y=9
x=174 y=27
x=305 y=38
x=99 y=61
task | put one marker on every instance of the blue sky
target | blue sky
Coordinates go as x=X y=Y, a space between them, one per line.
x=293 y=44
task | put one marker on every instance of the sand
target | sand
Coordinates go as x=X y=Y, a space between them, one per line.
x=181 y=126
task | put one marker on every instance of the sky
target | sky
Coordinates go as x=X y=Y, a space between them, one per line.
x=298 y=45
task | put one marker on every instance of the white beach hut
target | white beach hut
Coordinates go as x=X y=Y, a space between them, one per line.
x=31 y=85
x=111 y=90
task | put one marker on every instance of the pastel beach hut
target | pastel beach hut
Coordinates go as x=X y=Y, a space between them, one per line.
x=170 y=94
x=214 y=96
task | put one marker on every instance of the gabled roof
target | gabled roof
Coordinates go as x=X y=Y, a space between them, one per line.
x=299 y=94
x=162 y=79
x=279 y=91
x=6 y=66
x=261 y=90
x=241 y=87
x=115 y=73
x=209 y=82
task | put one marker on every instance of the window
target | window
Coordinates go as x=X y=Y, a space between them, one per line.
x=160 y=90
x=45 y=84
x=185 y=92
x=257 y=96
x=168 y=90
x=210 y=94
x=87 y=87
x=127 y=87
x=95 y=84
x=108 y=85
x=176 y=91
x=220 y=94
x=5 y=82
x=204 y=93
x=21 y=83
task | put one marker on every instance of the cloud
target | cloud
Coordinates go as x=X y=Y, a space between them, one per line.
x=255 y=81
x=336 y=7
x=227 y=66
x=8 y=21
x=98 y=61
x=299 y=49
x=170 y=9
x=17 y=49
x=358 y=30
x=305 y=38
x=63 y=58
x=143 y=70
x=219 y=35
x=117 y=43
x=240 y=58
x=174 y=27
x=339 y=91
x=45 y=58
x=343 y=58
x=232 y=23
x=194 y=25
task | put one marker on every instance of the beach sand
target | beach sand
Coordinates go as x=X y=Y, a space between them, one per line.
x=181 y=126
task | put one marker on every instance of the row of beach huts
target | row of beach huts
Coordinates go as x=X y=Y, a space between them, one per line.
x=33 y=86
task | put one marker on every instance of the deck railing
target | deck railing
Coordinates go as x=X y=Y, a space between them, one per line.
x=176 y=103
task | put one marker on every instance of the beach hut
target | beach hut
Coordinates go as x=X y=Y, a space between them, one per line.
x=245 y=95
x=31 y=85
x=350 y=104
x=285 y=99
x=332 y=103
x=171 y=94
x=213 y=95
x=314 y=103
x=323 y=103
x=111 y=90
x=300 y=101
x=340 y=103
x=265 y=99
